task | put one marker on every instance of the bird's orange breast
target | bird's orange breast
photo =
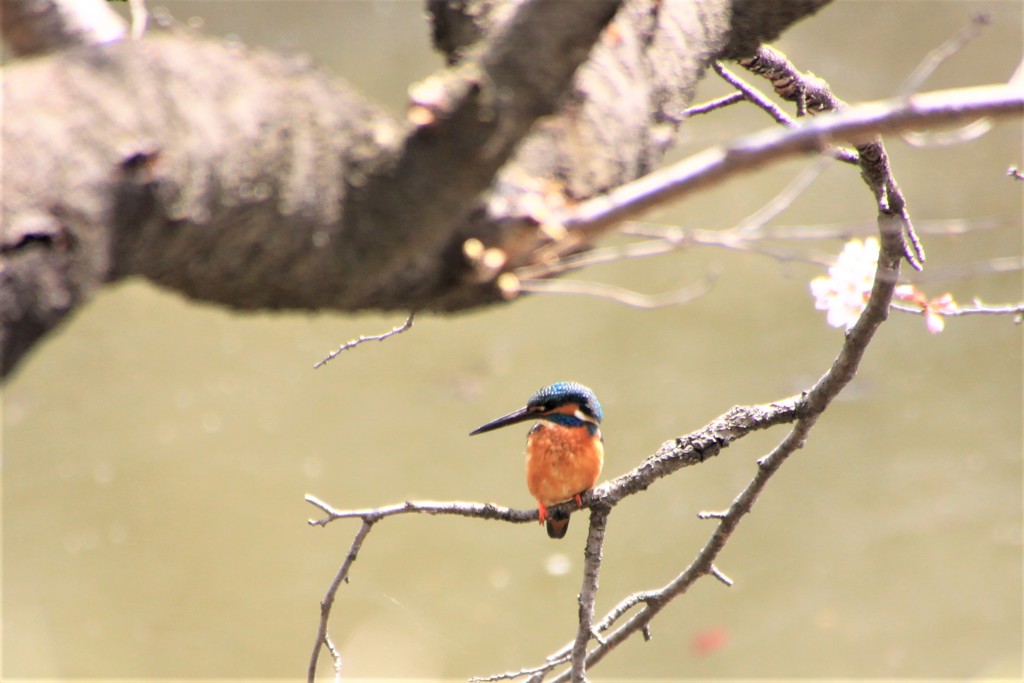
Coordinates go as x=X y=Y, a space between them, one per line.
x=562 y=461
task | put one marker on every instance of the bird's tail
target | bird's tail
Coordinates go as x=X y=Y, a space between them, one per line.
x=558 y=524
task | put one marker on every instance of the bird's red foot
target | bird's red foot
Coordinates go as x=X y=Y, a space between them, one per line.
x=542 y=512
x=579 y=501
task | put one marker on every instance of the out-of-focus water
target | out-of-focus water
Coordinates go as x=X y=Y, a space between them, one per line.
x=156 y=452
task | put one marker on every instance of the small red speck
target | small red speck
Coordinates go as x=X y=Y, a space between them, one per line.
x=708 y=641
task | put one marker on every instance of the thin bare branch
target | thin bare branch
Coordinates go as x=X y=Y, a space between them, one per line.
x=356 y=342
x=711 y=106
x=935 y=57
x=753 y=95
x=666 y=239
x=1001 y=264
x=947 y=138
x=335 y=655
x=977 y=309
x=626 y=604
x=522 y=673
x=845 y=231
x=783 y=200
x=932 y=61
x=457 y=509
x=731 y=239
x=717 y=573
x=619 y=294
x=328 y=602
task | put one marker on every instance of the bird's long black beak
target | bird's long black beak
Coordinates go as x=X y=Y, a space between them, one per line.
x=521 y=415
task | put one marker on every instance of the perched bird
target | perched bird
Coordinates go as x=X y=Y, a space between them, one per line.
x=564 y=450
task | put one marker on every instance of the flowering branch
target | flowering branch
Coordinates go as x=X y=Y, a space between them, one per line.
x=844 y=292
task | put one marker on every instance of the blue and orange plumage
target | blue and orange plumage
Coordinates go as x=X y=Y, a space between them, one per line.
x=564 y=450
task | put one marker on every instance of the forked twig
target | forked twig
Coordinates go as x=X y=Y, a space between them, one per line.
x=814 y=95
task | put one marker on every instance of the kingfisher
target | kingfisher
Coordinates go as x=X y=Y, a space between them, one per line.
x=564 y=450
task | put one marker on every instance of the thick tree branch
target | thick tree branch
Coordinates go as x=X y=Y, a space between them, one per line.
x=475 y=118
x=251 y=180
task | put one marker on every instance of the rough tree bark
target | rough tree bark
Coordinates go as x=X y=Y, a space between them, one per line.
x=250 y=179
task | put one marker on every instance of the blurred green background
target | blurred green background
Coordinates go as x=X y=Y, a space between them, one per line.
x=156 y=451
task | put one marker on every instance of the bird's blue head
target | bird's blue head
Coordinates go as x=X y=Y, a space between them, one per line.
x=566 y=403
x=561 y=394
